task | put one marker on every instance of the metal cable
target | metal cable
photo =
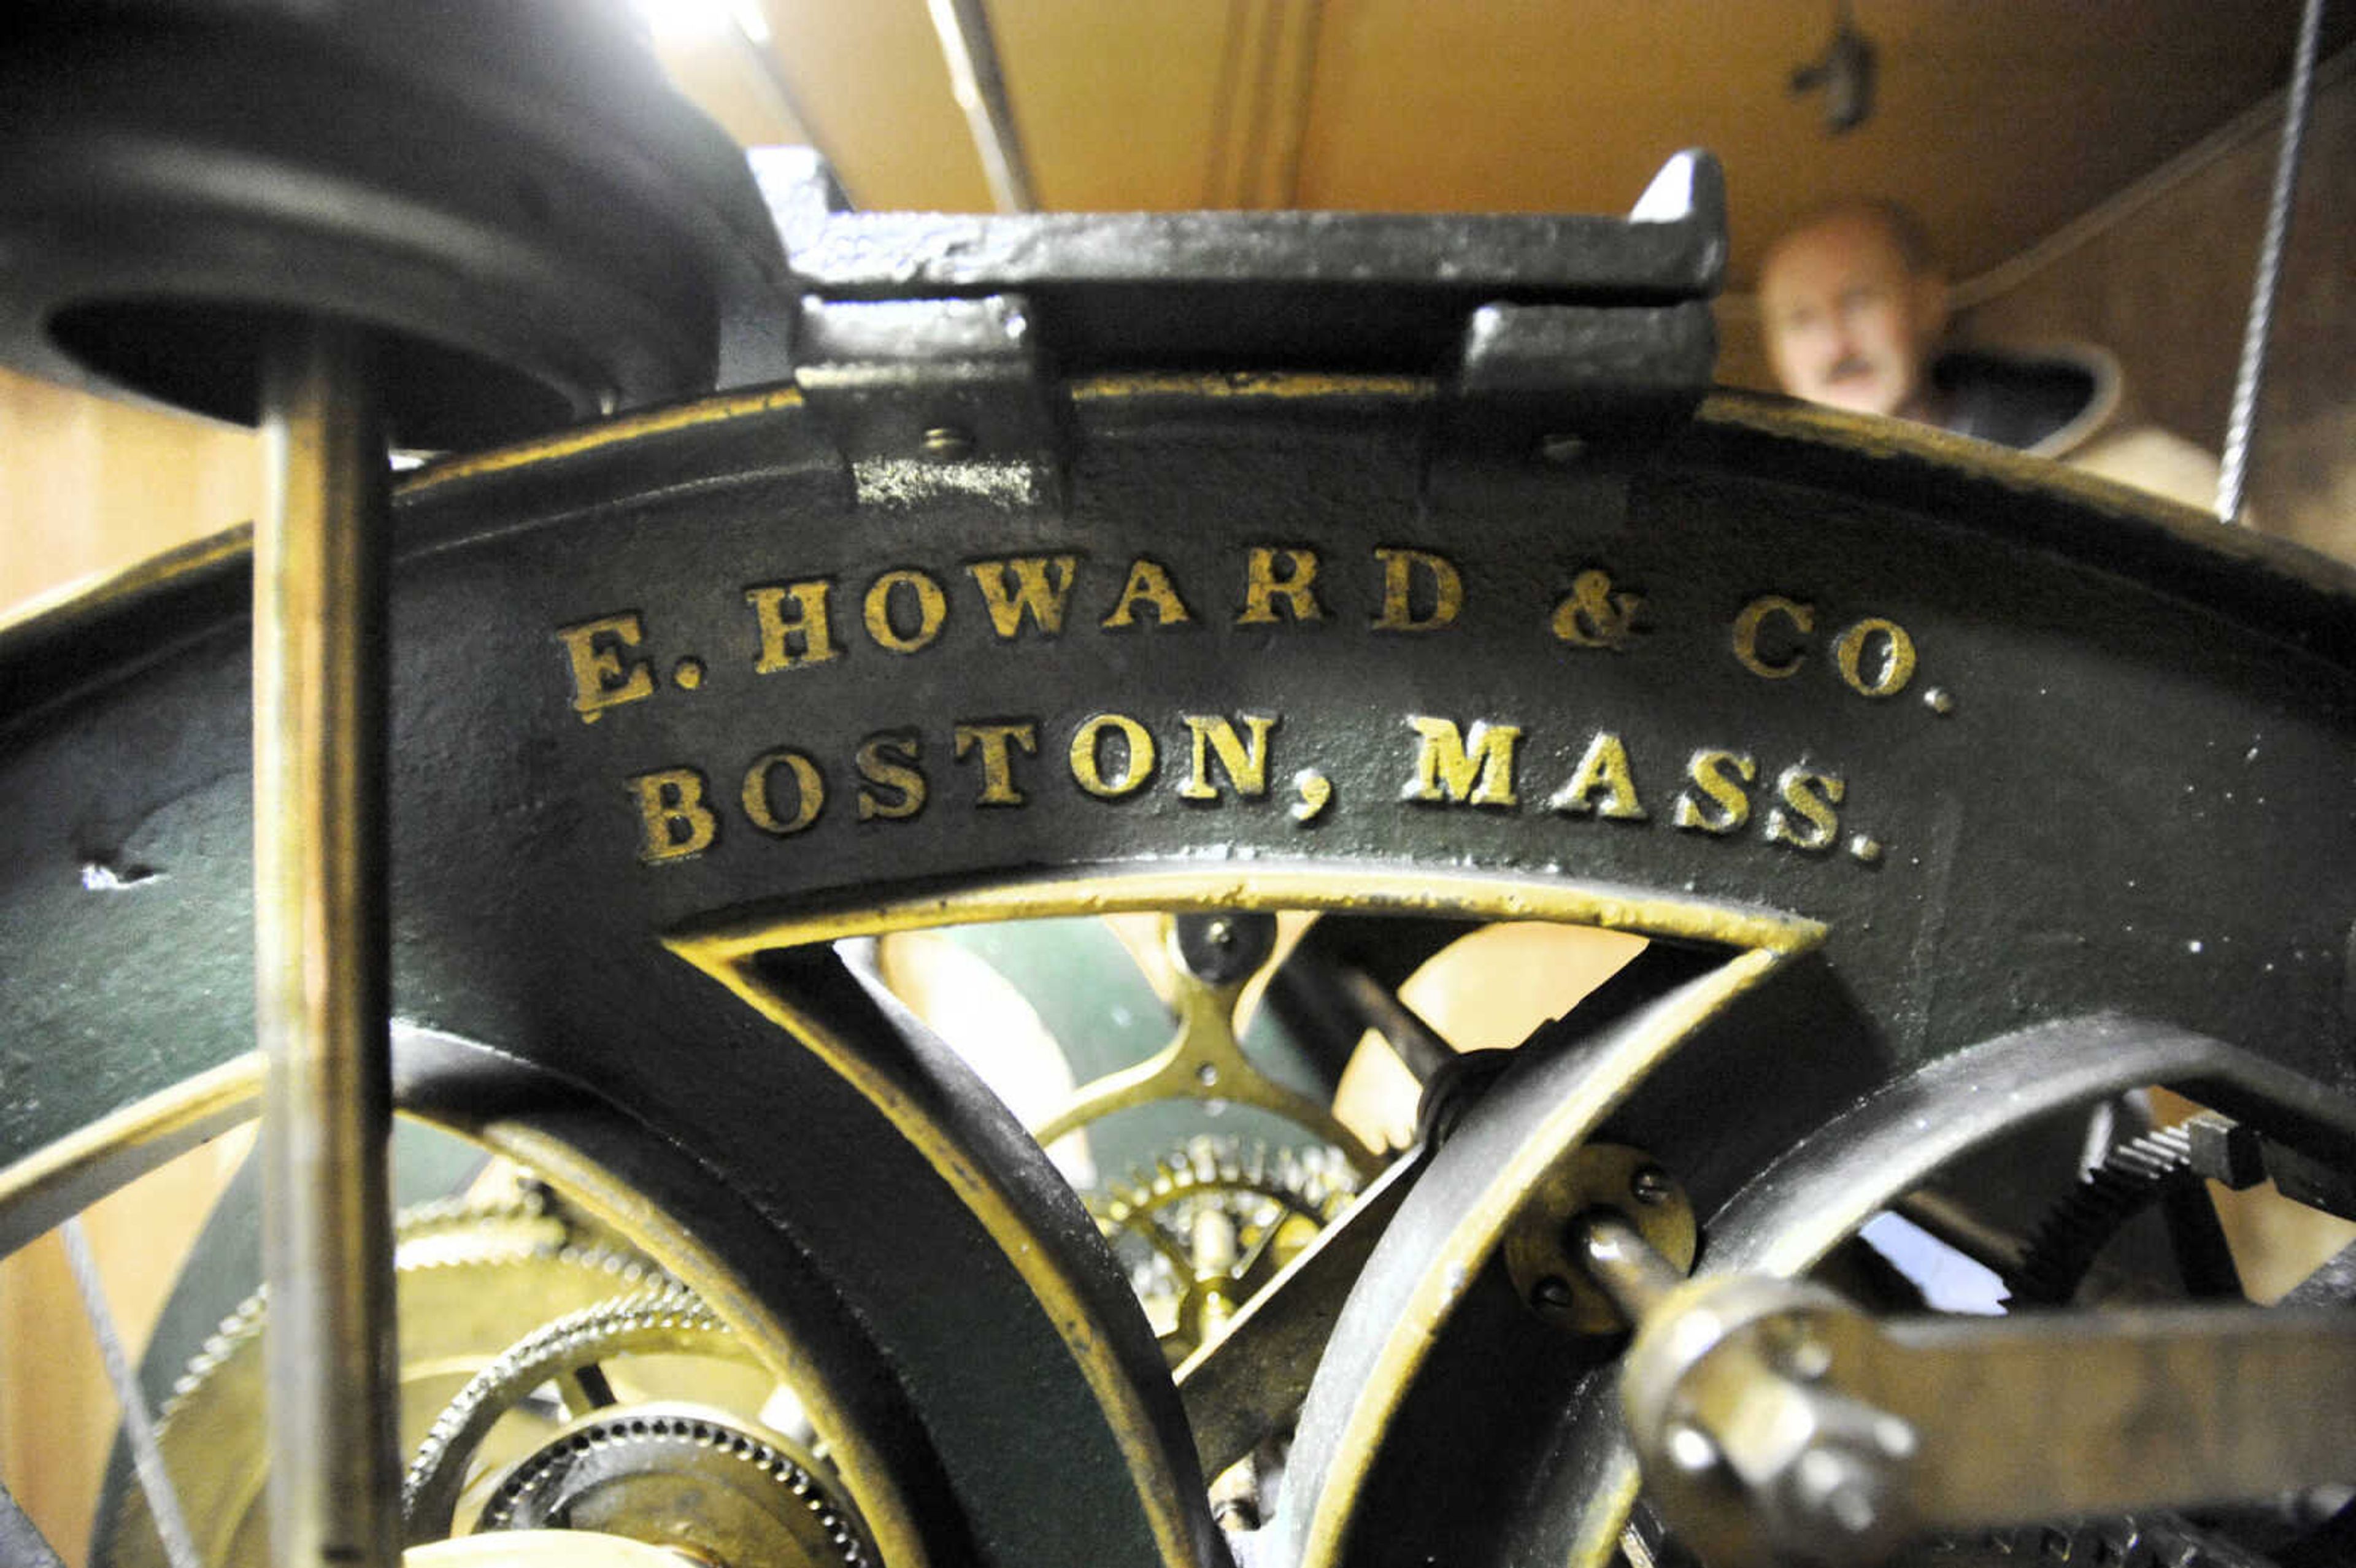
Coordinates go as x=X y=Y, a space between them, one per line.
x=2233 y=475
x=980 y=86
x=146 y=1454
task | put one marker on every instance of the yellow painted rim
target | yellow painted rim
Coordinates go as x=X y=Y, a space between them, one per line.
x=726 y=947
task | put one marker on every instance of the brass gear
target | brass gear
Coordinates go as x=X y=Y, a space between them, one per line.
x=666 y=1319
x=688 y=1478
x=1212 y=1222
x=471 y=1277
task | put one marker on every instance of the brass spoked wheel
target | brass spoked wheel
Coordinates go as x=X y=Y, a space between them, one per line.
x=1944 y=792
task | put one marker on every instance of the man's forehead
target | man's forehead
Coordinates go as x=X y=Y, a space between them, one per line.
x=1834 y=249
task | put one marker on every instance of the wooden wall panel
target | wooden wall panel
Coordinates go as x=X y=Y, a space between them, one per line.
x=57 y=1416
x=2167 y=288
x=89 y=486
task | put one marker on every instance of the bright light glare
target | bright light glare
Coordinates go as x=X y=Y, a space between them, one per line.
x=700 y=21
x=1949 y=1281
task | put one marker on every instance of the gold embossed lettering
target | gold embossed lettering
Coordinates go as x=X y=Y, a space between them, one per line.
x=1753 y=617
x=894 y=788
x=1149 y=585
x=998 y=787
x=675 y=822
x=1897 y=664
x=1604 y=768
x=1720 y=776
x=790 y=639
x=1297 y=587
x=1245 y=762
x=1036 y=586
x=1595 y=614
x=1449 y=768
x=760 y=792
x=1811 y=797
x=924 y=595
x=1135 y=756
x=600 y=679
x=1401 y=568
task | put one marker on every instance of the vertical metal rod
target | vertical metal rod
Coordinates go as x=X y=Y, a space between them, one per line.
x=146 y=1453
x=980 y=90
x=320 y=955
x=2232 y=476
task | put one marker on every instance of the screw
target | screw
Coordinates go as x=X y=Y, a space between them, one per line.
x=1552 y=1294
x=1808 y=1359
x=1651 y=1187
x=1833 y=1486
x=1690 y=1449
x=947 y=441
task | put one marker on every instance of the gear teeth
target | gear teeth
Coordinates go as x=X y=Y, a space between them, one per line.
x=2132 y=1177
x=1312 y=1181
x=2141 y=1540
x=247 y=1321
x=665 y=1318
x=621 y=1431
x=1263 y=1187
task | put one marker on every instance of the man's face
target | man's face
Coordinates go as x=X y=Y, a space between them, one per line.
x=1847 y=323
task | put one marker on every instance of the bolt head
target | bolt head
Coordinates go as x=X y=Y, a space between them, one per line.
x=1690 y=1449
x=1552 y=1294
x=1808 y=1359
x=1836 y=1487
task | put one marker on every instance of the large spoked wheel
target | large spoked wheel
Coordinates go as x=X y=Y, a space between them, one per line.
x=1948 y=791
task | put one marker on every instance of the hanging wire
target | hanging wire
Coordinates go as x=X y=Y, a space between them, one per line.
x=146 y=1454
x=979 y=88
x=2232 y=476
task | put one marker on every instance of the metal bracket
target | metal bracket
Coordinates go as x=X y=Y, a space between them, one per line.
x=931 y=344
x=931 y=400
x=1566 y=374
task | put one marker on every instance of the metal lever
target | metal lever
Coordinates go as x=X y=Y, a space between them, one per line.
x=1776 y=1420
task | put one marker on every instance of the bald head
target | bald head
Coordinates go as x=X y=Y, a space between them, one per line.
x=1853 y=304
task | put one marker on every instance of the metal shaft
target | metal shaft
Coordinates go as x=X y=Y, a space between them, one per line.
x=1419 y=1045
x=2232 y=476
x=1624 y=1266
x=320 y=958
